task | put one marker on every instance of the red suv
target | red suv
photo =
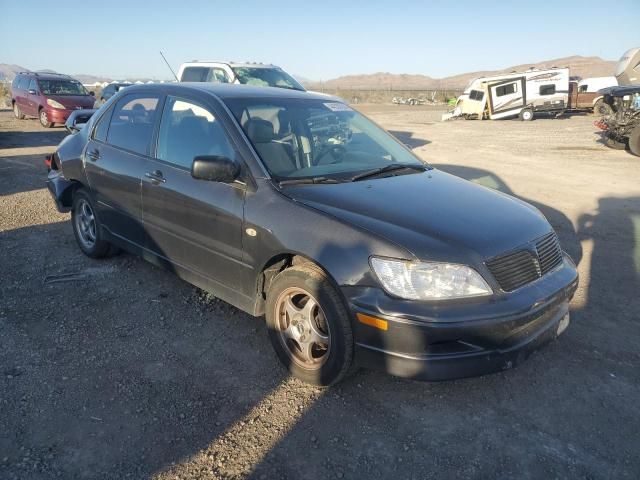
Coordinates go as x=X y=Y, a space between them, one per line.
x=51 y=97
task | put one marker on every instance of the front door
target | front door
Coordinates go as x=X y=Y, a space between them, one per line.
x=115 y=162
x=506 y=95
x=193 y=224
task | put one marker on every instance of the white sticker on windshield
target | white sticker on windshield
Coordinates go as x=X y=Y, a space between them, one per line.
x=338 y=107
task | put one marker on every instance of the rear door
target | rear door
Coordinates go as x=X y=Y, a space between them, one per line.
x=507 y=95
x=21 y=93
x=116 y=160
x=31 y=98
x=194 y=224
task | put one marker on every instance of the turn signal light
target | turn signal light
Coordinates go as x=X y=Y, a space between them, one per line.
x=373 y=321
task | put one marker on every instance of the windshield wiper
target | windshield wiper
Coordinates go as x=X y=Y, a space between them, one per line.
x=307 y=180
x=389 y=168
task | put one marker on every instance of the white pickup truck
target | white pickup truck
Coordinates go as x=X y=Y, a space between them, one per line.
x=258 y=74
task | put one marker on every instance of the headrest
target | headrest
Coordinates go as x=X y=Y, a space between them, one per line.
x=194 y=122
x=259 y=130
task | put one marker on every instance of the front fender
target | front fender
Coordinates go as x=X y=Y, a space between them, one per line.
x=283 y=227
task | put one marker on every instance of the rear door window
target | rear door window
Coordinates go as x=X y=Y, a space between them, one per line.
x=32 y=84
x=102 y=127
x=204 y=74
x=132 y=123
x=188 y=130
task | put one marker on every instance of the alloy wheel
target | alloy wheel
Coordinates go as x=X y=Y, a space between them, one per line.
x=303 y=328
x=85 y=223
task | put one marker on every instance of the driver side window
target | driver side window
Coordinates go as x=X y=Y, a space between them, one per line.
x=188 y=130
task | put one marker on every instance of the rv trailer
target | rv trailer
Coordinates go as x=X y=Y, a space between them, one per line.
x=628 y=68
x=514 y=94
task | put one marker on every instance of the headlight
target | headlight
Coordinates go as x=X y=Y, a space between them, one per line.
x=428 y=280
x=52 y=103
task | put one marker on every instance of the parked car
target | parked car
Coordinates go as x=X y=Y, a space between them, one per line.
x=586 y=95
x=50 y=97
x=256 y=74
x=108 y=92
x=294 y=206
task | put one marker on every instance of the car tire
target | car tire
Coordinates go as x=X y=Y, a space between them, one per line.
x=526 y=115
x=601 y=109
x=634 y=141
x=86 y=226
x=313 y=341
x=44 y=118
x=17 y=112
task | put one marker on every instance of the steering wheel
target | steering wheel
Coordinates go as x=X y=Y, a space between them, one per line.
x=336 y=151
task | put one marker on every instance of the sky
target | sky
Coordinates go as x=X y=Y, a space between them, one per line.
x=316 y=40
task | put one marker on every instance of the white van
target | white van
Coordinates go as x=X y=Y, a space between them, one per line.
x=258 y=74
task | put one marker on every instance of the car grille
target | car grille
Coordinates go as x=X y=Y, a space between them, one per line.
x=517 y=269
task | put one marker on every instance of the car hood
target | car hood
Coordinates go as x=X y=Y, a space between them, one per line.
x=74 y=101
x=434 y=215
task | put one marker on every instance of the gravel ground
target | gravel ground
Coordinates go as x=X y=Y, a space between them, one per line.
x=117 y=369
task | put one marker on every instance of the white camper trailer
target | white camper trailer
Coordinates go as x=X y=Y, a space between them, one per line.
x=628 y=68
x=514 y=94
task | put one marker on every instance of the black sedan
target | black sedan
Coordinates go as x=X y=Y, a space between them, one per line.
x=294 y=206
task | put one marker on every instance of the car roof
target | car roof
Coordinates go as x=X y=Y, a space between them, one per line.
x=231 y=64
x=621 y=91
x=48 y=76
x=227 y=90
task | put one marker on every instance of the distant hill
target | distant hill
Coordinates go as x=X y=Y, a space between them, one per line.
x=580 y=66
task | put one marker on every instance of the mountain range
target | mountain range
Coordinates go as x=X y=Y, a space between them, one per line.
x=579 y=66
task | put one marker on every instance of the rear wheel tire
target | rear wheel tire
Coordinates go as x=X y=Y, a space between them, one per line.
x=17 y=112
x=634 y=141
x=526 y=115
x=309 y=325
x=44 y=118
x=86 y=227
x=602 y=109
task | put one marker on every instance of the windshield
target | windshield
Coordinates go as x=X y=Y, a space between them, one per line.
x=309 y=138
x=266 y=77
x=61 y=87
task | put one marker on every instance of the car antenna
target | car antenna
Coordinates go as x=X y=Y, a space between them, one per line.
x=165 y=61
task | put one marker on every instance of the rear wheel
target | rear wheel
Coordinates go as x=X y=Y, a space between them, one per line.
x=634 y=141
x=17 y=112
x=44 y=118
x=526 y=115
x=602 y=109
x=86 y=227
x=309 y=326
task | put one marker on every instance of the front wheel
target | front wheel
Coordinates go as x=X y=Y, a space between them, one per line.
x=526 y=115
x=17 y=112
x=86 y=227
x=309 y=326
x=602 y=109
x=44 y=119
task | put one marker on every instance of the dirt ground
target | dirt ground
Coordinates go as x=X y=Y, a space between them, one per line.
x=117 y=369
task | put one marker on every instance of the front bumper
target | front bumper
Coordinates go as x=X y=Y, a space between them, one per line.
x=59 y=115
x=443 y=341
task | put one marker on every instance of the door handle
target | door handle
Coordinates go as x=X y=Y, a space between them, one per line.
x=156 y=176
x=94 y=154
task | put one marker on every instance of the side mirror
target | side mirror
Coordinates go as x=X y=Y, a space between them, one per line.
x=32 y=91
x=215 y=168
x=93 y=94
